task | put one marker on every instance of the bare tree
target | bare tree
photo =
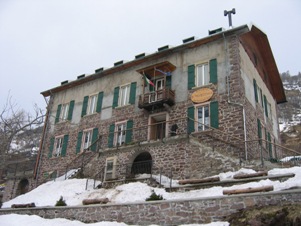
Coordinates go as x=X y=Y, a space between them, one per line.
x=13 y=121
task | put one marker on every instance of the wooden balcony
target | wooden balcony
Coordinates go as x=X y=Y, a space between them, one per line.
x=156 y=99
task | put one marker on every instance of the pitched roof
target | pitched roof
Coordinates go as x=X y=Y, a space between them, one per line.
x=254 y=41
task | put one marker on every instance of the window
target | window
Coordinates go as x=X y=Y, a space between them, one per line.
x=124 y=95
x=120 y=132
x=87 y=139
x=200 y=117
x=157 y=126
x=58 y=146
x=203 y=118
x=64 y=112
x=110 y=168
x=202 y=75
x=92 y=104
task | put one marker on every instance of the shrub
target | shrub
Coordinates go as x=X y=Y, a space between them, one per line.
x=61 y=202
x=154 y=197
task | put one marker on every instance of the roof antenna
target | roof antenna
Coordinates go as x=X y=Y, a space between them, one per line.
x=229 y=15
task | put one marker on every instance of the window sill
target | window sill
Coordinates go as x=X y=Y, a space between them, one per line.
x=204 y=86
x=123 y=106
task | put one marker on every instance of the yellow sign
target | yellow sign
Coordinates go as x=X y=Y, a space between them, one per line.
x=201 y=95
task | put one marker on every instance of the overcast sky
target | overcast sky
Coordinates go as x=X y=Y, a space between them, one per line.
x=43 y=43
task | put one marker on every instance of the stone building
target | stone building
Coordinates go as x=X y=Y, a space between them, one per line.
x=194 y=110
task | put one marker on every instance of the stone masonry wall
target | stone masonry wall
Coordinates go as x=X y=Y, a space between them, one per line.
x=204 y=210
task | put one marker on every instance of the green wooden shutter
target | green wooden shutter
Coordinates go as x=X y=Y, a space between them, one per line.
x=65 y=144
x=214 y=122
x=133 y=93
x=190 y=115
x=94 y=139
x=116 y=96
x=259 y=130
x=129 y=131
x=168 y=81
x=85 y=105
x=191 y=76
x=111 y=136
x=70 y=112
x=79 y=142
x=261 y=98
x=51 y=147
x=265 y=106
x=270 y=145
x=58 y=112
x=255 y=90
x=213 y=71
x=99 y=102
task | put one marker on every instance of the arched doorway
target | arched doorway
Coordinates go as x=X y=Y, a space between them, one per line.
x=23 y=187
x=142 y=164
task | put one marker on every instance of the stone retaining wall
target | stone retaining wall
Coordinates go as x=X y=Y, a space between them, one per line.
x=175 y=212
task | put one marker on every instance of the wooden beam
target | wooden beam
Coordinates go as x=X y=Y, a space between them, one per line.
x=248 y=190
x=199 y=181
x=258 y=174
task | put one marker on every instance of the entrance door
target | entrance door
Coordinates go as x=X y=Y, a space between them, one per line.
x=142 y=164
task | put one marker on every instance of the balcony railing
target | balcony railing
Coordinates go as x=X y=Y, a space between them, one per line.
x=157 y=98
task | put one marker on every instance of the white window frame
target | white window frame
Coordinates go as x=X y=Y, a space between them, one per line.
x=58 y=146
x=87 y=142
x=202 y=77
x=110 y=162
x=64 y=112
x=92 y=104
x=120 y=133
x=124 y=95
x=205 y=121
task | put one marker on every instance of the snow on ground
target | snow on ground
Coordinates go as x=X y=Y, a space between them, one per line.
x=74 y=191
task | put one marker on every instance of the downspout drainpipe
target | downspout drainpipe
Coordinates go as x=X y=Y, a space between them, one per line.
x=234 y=103
x=39 y=157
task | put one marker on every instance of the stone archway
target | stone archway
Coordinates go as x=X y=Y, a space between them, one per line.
x=23 y=187
x=142 y=164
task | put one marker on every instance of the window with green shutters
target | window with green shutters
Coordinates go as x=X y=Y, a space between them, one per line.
x=124 y=95
x=87 y=140
x=203 y=117
x=58 y=146
x=202 y=74
x=120 y=133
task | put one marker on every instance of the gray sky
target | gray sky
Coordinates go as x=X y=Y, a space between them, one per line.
x=43 y=43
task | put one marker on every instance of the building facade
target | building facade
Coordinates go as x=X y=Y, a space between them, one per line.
x=191 y=111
